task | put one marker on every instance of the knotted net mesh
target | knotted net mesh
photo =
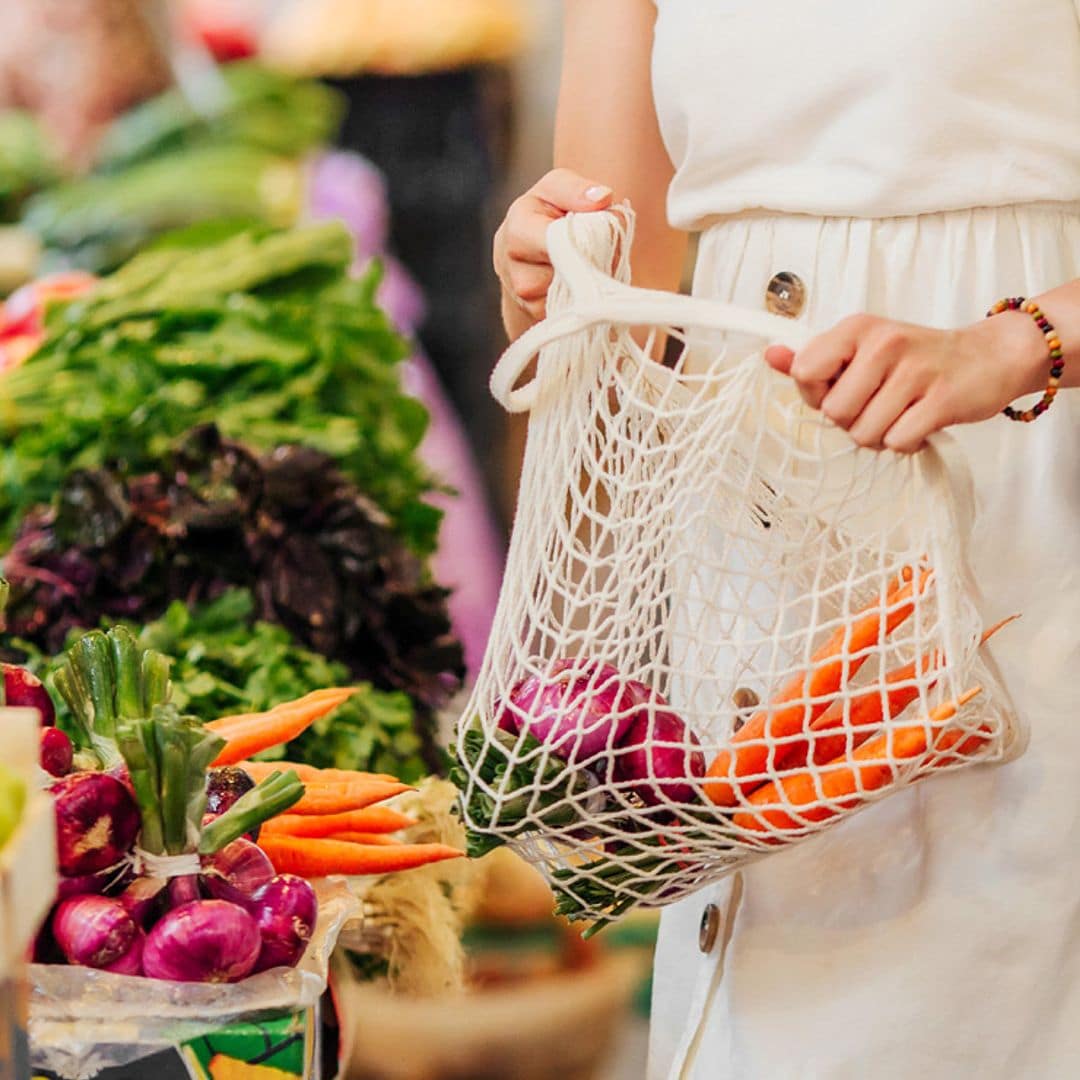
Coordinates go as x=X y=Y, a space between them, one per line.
x=723 y=627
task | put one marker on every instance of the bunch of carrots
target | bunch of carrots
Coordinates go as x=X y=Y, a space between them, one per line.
x=823 y=774
x=339 y=825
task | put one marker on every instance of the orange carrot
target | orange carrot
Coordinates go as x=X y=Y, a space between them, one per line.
x=866 y=711
x=965 y=749
x=321 y=858
x=805 y=697
x=319 y=702
x=847 y=778
x=372 y=819
x=253 y=732
x=341 y=798
x=370 y=839
x=259 y=770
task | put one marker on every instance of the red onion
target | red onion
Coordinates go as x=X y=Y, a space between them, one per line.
x=579 y=709
x=131 y=962
x=237 y=872
x=141 y=897
x=183 y=889
x=84 y=884
x=22 y=689
x=56 y=753
x=224 y=786
x=285 y=911
x=204 y=941
x=93 y=931
x=658 y=756
x=96 y=822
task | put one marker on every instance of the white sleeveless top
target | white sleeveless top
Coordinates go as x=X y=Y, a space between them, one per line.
x=916 y=159
x=869 y=108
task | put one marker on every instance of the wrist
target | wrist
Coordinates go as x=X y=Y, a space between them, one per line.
x=1018 y=346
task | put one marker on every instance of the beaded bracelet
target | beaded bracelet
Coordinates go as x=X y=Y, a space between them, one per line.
x=1057 y=360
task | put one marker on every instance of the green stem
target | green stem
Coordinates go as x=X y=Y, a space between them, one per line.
x=91 y=652
x=139 y=748
x=273 y=796
x=154 y=680
x=125 y=664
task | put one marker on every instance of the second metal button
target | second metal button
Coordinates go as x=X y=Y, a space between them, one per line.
x=710 y=927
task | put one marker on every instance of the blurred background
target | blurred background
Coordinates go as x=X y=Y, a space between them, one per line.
x=417 y=122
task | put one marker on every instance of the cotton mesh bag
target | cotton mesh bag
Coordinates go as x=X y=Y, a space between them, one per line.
x=723 y=626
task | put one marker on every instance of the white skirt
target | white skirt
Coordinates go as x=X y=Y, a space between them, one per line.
x=937 y=934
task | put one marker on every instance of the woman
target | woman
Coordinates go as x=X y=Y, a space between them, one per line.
x=912 y=163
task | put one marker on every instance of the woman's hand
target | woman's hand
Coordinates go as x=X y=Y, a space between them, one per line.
x=892 y=384
x=520 y=249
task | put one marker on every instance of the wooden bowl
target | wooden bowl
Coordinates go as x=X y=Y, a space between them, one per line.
x=561 y=1027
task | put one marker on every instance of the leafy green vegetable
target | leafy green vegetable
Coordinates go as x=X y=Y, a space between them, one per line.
x=96 y=222
x=317 y=556
x=262 y=108
x=262 y=333
x=161 y=165
x=225 y=661
x=531 y=786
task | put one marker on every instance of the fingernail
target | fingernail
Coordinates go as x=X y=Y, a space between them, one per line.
x=597 y=193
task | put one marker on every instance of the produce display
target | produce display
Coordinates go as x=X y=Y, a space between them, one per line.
x=176 y=861
x=139 y=509
x=262 y=333
x=313 y=553
x=580 y=746
x=220 y=536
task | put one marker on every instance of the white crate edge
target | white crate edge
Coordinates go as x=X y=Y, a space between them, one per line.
x=27 y=880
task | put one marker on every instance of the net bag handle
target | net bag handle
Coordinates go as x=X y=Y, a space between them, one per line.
x=584 y=250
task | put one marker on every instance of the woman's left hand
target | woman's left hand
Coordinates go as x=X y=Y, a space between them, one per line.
x=893 y=384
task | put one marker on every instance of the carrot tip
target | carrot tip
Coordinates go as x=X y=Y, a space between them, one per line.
x=999 y=625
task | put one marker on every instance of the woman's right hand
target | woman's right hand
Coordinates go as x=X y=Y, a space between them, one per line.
x=520 y=250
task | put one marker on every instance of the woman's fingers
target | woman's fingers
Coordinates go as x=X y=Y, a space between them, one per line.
x=529 y=284
x=527 y=223
x=520 y=253
x=882 y=411
x=914 y=426
x=779 y=358
x=818 y=363
x=565 y=191
x=850 y=394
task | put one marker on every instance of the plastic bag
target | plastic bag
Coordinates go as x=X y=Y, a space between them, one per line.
x=689 y=540
x=83 y=1021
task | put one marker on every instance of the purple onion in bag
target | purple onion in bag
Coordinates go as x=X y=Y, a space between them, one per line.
x=579 y=709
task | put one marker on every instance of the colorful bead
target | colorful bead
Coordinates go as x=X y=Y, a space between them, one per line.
x=1053 y=342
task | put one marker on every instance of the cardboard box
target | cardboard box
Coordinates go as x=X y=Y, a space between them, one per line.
x=285 y=1047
